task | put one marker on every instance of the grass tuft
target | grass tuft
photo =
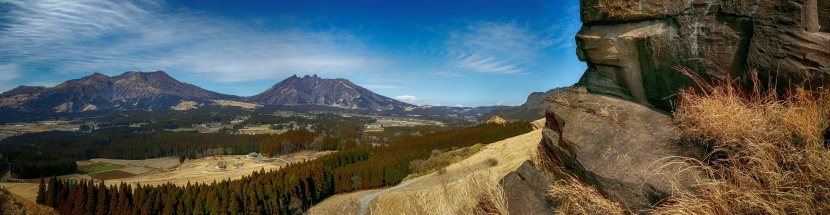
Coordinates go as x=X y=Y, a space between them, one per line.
x=479 y=193
x=767 y=153
x=573 y=197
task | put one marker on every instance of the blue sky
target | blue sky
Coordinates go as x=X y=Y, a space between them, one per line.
x=468 y=53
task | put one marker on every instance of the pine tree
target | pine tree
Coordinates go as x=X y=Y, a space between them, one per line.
x=102 y=206
x=53 y=192
x=41 y=192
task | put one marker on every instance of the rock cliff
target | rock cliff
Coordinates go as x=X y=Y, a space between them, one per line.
x=632 y=47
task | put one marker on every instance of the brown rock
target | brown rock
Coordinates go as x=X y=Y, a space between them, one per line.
x=618 y=146
x=526 y=189
x=603 y=11
x=633 y=47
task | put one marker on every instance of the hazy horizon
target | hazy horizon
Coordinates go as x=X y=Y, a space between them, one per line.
x=466 y=53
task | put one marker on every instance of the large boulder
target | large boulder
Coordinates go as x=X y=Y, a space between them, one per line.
x=526 y=190
x=621 y=148
x=632 y=48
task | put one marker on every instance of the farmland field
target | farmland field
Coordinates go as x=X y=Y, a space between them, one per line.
x=94 y=170
x=109 y=175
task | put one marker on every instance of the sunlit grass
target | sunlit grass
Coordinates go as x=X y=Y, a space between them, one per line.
x=99 y=169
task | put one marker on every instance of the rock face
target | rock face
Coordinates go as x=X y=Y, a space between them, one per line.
x=614 y=145
x=312 y=90
x=633 y=47
x=526 y=190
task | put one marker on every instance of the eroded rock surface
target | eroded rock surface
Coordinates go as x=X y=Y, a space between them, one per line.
x=526 y=190
x=633 y=47
x=622 y=148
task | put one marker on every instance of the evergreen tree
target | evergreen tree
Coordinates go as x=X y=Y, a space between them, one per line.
x=42 y=198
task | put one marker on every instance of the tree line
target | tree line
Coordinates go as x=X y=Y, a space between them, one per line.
x=289 y=190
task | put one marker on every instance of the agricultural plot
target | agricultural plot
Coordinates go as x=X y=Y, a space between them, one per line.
x=98 y=169
x=109 y=175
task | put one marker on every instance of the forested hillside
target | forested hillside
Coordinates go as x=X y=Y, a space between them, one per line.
x=284 y=191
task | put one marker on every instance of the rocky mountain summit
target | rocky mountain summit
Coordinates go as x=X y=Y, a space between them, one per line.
x=98 y=91
x=148 y=90
x=313 y=90
x=632 y=48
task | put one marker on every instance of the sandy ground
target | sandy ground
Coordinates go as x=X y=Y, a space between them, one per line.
x=509 y=153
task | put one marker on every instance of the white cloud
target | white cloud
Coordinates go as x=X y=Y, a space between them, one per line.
x=408 y=98
x=505 y=48
x=459 y=105
x=500 y=103
x=112 y=37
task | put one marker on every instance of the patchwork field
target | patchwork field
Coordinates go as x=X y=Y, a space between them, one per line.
x=13 y=129
x=202 y=170
x=163 y=170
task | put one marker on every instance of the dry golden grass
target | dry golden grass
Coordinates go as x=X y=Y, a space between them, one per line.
x=467 y=187
x=11 y=203
x=559 y=100
x=768 y=154
x=573 y=197
x=438 y=160
x=482 y=188
x=604 y=112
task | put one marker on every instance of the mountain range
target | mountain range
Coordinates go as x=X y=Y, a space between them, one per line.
x=157 y=90
x=339 y=92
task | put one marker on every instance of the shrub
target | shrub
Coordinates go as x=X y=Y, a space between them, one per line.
x=491 y=162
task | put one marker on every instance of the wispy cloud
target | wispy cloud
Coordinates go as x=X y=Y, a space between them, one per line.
x=563 y=29
x=111 y=37
x=8 y=72
x=505 y=48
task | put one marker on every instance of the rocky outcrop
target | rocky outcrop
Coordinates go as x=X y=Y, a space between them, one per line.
x=620 y=147
x=526 y=190
x=633 y=47
x=496 y=120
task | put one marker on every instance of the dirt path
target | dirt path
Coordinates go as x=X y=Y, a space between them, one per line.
x=368 y=198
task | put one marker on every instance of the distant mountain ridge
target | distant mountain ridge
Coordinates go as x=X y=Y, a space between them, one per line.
x=313 y=90
x=532 y=109
x=157 y=90
x=98 y=91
